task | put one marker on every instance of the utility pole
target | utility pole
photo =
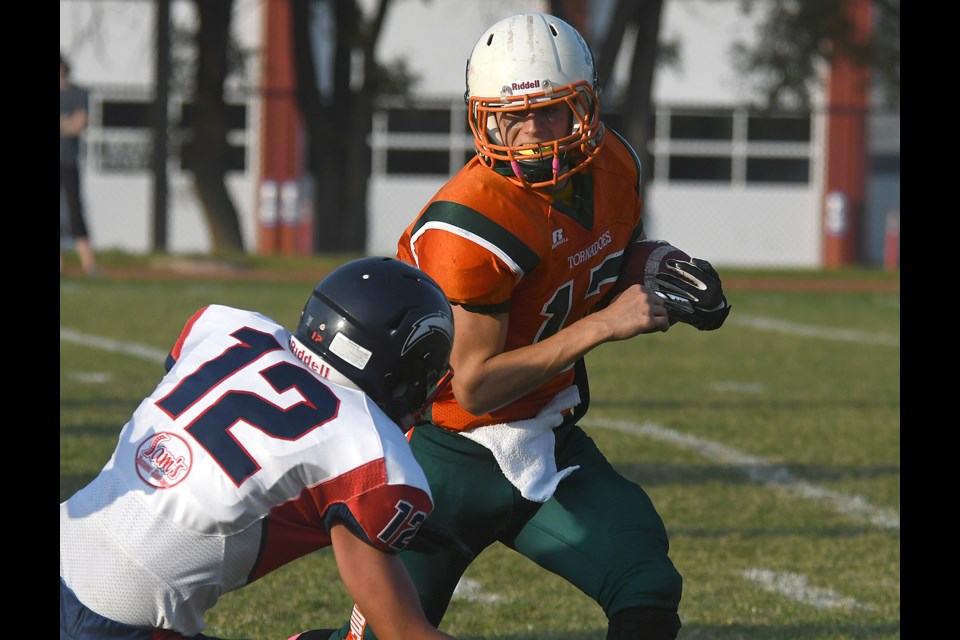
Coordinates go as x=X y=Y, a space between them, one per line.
x=848 y=105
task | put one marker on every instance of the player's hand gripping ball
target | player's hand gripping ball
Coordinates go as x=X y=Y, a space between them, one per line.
x=690 y=287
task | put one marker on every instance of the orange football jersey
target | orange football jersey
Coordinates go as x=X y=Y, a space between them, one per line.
x=494 y=246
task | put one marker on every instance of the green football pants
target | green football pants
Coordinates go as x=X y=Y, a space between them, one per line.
x=599 y=531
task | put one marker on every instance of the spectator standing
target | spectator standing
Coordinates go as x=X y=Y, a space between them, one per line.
x=73 y=122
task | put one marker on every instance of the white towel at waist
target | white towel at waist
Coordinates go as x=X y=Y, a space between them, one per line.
x=524 y=449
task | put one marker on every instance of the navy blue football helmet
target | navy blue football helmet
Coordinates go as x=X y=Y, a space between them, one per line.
x=387 y=327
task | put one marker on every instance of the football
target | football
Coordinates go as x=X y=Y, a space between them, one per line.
x=643 y=260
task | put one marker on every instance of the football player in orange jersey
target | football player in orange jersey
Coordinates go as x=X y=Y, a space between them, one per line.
x=525 y=241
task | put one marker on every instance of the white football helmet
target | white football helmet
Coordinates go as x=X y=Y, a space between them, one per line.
x=532 y=61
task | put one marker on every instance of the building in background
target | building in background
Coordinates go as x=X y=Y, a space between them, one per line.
x=737 y=187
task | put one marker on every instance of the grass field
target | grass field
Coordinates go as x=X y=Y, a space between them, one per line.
x=771 y=449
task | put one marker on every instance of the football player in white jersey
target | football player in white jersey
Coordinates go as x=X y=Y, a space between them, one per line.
x=258 y=447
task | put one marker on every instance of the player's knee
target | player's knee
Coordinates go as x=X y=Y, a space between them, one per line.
x=667 y=583
x=644 y=623
x=653 y=583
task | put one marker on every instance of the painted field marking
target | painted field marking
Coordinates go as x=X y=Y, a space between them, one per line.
x=795 y=587
x=89 y=377
x=732 y=386
x=760 y=471
x=810 y=331
x=116 y=346
x=471 y=591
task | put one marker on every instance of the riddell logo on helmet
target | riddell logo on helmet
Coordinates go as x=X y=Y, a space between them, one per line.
x=307 y=358
x=526 y=84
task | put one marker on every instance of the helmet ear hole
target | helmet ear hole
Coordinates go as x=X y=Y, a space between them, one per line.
x=396 y=389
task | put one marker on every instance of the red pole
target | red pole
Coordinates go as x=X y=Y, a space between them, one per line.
x=280 y=127
x=848 y=106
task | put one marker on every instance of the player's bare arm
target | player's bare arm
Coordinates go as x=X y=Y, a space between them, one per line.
x=488 y=377
x=381 y=587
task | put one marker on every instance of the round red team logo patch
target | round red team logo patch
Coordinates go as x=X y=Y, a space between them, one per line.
x=163 y=460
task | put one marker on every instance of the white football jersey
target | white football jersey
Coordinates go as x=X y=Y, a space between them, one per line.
x=236 y=464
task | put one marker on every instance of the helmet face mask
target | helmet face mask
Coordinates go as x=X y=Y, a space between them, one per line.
x=433 y=390
x=531 y=62
x=386 y=327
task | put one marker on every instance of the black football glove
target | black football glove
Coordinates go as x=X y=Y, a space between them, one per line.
x=431 y=538
x=693 y=294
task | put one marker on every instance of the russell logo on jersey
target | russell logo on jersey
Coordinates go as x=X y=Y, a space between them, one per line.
x=558 y=238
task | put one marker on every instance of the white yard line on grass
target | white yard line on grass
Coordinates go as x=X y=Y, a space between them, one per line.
x=89 y=377
x=116 y=346
x=737 y=387
x=791 y=585
x=794 y=586
x=470 y=590
x=810 y=331
x=759 y=470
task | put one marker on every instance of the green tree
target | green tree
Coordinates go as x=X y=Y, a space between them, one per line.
x=795 y=39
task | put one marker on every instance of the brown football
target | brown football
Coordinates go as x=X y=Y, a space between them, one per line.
x=643 y=260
